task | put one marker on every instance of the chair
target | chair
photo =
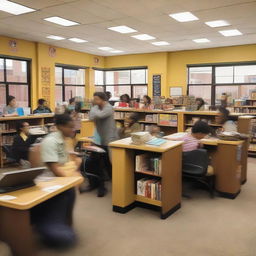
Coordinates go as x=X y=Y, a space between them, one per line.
x=195 y=165
x=7 y=149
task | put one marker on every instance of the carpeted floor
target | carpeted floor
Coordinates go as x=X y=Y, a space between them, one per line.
x=202 y=227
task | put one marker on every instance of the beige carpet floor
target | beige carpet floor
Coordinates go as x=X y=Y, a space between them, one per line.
x=202 y=227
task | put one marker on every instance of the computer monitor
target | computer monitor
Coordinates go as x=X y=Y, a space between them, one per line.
x=14 y=180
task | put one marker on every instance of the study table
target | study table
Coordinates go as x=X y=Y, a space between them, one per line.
x=15 y=227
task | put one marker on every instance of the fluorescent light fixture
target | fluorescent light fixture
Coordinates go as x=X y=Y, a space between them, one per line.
x=217 y=23
x=116 y=51
x=201 y=40
x=105 y=48
x=123 y=29
x=61 y=21
x=77 y=40
x=160 y=43
x=183 y=16
x=230 y=32
x=56 y=37
x=144 y=37
x=13 y=8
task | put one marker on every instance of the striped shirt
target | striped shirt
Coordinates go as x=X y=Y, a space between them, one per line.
x=189 y=143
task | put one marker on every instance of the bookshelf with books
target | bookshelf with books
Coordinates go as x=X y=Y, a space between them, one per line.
x=146 y=175
x=8 y=129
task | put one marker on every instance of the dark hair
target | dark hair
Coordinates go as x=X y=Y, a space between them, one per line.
x=101 y=95
x=201 y=127
x=41 y=101
x=224 y=112
x=19 y=125
x=125 y=96
x=108 y=94
x=148 y=98
x=202 y=102
x=134 y=117
x=62 y=119
x=78 y=107
x=9 y=99
x=72 y=100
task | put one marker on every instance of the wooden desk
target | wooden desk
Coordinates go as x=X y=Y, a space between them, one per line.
x=124 y=196
x=15 y=228
x=227 y=159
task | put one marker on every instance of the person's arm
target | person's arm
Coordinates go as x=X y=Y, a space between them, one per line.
x=97 y=113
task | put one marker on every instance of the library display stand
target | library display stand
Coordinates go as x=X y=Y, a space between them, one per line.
x=162 y=188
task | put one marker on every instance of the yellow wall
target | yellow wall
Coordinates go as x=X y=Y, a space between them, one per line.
x=156 y=63
x=39 y=54
x=177 y=61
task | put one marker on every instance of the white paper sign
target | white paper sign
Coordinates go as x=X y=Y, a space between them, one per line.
x=52 y=188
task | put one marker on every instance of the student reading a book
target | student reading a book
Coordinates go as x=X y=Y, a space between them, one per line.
x=200 y=104
x=21 y=143
x=147 y=103
x=11 y=108
x=130 y=125
x=223 y=118
x=42 y=107
x=191 y=140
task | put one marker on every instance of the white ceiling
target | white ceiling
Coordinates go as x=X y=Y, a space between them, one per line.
x=146 y=16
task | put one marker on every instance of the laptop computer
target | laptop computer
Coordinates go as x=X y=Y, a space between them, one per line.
x=14 y=180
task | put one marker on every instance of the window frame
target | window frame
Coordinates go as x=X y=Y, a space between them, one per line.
x=63 y=85
x=214 y=84
x=132 y=85
x=8 y=83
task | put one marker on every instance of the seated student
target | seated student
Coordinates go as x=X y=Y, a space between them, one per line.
x=147 y=102
x=11 y=108
x=200 y=104
x=124 y=100
x=224 y=119
x=52 y=219
x=191 y=141
x=42 y=107
x=22 y=142
x=130 y=125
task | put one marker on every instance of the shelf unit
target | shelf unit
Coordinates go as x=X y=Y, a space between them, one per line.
x=124 y=177
x=7 y=129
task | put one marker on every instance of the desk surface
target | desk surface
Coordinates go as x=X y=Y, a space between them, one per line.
x=126 y=143
x=30 y=197
x=215 y=142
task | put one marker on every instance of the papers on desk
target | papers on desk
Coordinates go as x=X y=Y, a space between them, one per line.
x=52 y=188
x=7 y=198
x=175 y=136
x=156 y=142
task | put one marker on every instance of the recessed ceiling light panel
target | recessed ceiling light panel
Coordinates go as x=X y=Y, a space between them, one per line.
x=144 y=37
x=61 y=21
x=160 y=43
x=217 y=23
x=201 y=40
x=123 y=29
x=105 y=48
x=230 y=32
x=77 y=40
x=55 y=37
x=116 y=51
x=183 y=16
x=13 y=8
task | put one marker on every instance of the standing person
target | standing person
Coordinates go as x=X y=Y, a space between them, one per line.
x=102 y=114
x=11 y=108
x=53 y=218
x=147 y=102
x=42 y=107
x=200 y=104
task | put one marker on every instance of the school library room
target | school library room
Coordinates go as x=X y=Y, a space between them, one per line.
x=127 y=127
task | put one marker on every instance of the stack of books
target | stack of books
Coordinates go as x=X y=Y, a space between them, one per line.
x=140 y=138
x=167 y=119
x=148 y=163
x=150 y=188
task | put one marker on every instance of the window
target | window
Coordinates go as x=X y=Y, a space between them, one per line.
x=70 y=82
x=236 y=80
x=15 y=81
x=126 y=81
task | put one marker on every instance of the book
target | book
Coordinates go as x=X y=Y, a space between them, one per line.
x=150 y=188
x=148 y=163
